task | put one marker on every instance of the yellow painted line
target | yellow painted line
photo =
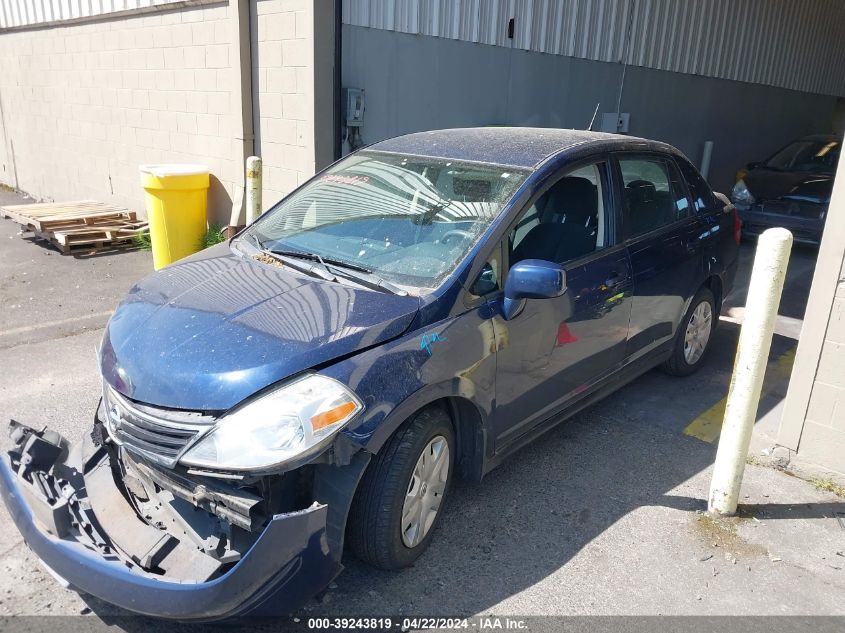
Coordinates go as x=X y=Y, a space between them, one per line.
x=708 y=426
x=780 y=369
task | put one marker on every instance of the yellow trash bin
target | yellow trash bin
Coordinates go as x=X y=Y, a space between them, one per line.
x=176 y=199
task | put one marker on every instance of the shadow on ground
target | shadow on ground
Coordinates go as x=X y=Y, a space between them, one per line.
x=535 y=513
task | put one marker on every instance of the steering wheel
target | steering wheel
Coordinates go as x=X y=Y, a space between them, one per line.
x=453 y=233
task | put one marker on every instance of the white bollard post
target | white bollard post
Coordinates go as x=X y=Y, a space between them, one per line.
x=752 y=355
x=253 y=188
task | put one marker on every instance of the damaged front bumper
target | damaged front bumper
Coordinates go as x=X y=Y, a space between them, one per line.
x=49 y=494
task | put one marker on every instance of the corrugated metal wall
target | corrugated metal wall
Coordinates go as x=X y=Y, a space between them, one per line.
x=794 y=44
x=797 y=44
x=25 y=12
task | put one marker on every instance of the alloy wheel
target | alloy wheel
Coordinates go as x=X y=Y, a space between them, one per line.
x=425 y=491
x=698 y=332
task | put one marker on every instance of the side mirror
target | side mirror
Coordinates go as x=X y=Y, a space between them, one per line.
x=751 y=166
x=532 y=279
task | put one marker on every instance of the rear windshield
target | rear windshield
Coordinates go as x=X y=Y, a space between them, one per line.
x=812 y=156
x=410 y=220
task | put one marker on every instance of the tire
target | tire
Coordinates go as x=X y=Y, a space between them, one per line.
x=686 y=358
x=375 y=528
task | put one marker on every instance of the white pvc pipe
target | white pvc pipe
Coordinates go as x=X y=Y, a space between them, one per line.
x=752 y=354
x=705 y=159
x=253 y=188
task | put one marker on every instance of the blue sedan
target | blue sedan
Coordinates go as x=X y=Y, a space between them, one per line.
x=414 y=313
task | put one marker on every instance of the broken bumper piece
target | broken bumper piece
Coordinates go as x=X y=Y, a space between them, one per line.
x=46 y=495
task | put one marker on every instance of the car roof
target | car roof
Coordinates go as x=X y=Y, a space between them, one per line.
x=512 y=146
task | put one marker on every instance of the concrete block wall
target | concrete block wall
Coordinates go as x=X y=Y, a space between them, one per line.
x=293 y=48
x=83 y=105
x=823 y=435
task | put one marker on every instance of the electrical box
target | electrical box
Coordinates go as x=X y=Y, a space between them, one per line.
x=615 y=122
x=354 y=107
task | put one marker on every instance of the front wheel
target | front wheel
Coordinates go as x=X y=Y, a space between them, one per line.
x=694 y=333
x=400 y=498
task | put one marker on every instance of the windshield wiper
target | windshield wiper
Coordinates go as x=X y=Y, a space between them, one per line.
x=365 y=277
x=290 y=258
x=344 y=264
x=314 y=257
x=360 y=274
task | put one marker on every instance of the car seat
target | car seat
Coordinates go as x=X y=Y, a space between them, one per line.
x=567 y=227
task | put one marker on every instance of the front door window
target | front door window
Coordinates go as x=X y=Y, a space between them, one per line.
x=566 y=222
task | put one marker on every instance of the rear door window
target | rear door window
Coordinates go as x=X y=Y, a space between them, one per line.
x=702 y=196
x=653 y=193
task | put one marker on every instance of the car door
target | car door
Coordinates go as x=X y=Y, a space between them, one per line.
x=717 y=225
x=663 y=239
x=555 y=350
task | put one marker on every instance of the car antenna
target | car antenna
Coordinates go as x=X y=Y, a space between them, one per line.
x=593 y=120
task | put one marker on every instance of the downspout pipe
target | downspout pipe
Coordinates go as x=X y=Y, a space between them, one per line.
x=632 y=6
x=242 y=100
x=338 y=78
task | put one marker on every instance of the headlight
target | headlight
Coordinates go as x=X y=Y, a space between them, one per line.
x=740 y=194
x=277 y=427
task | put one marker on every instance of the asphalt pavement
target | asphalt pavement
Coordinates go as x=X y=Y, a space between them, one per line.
x=603 y=516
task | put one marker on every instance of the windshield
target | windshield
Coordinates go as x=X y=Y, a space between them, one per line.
x=410 y=220
x=813 y=156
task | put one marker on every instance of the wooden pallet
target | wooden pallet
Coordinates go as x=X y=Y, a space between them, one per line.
x=84 y=225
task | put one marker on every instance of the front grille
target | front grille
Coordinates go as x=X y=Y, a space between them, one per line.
x=161 y=435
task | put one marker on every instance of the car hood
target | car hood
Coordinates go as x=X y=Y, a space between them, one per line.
x=209 y=331
x=768 y=184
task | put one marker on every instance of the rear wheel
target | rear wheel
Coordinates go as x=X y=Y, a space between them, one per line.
x=695 y=331
x=400 y=498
